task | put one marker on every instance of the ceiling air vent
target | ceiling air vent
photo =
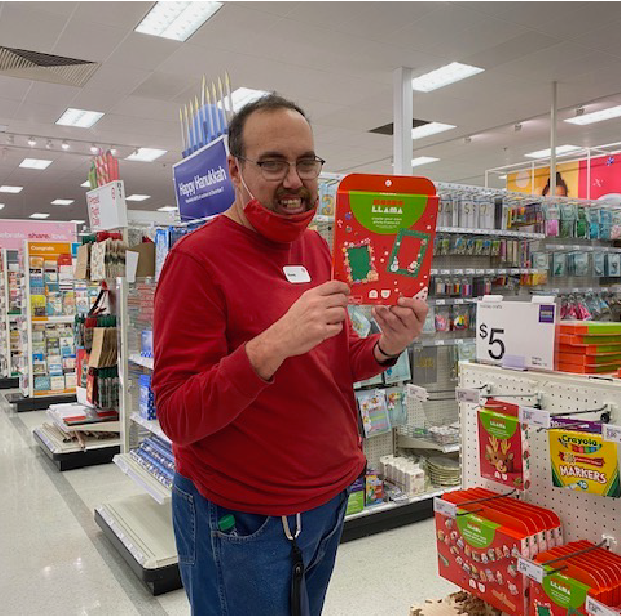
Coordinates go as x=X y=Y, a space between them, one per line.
x=388 y=129
x=45 y=67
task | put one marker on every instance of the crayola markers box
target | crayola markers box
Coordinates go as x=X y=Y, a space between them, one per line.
x=584 y=462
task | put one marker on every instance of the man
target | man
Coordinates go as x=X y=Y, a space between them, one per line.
x=255 y=362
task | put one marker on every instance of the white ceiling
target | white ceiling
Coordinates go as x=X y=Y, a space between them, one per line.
x=334 y=58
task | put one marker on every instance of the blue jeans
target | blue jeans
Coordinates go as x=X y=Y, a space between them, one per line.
x=250 y=573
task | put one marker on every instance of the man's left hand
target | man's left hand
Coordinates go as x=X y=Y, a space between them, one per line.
x=400 y=324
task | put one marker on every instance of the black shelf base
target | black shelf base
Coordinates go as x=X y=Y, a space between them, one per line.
x=9 y=382
x=79 y=459
x=381 y=521
x=38 y=404
x=158 y=581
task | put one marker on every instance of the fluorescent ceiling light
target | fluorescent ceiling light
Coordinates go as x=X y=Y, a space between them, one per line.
x=168 y=208
x=137 y=198
x=85 y=184
x=1 y=206
x=242 y=96
x=77 y=222
x=11 y=189
x=35 y=163
x=561 y=150
x=62 y=202
x=423 y=160
x=146 y=155
x=444 y=76
x=79 y=117
x=37 y=215
x=177 y=20
x=596 y=116
x=502 y=177
x=430 y=129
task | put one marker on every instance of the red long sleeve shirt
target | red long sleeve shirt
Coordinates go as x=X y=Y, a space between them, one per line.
x=274 y=448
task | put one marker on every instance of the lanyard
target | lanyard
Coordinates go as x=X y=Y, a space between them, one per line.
x=299 y=597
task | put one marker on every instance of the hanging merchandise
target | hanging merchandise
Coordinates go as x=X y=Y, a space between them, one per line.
x=397 y=407
x=383 y=236
x=400 y=372
x=503 y=445
x=584 y=462
x=479 y=551
x=374 y=412
x=568 y=220
x=581 y=571
x=553 y=215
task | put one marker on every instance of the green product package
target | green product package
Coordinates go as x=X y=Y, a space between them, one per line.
x=355 y=503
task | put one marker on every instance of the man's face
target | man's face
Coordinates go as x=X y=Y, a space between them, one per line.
x=281 y=135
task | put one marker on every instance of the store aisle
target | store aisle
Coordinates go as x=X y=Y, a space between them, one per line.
x=55 y=561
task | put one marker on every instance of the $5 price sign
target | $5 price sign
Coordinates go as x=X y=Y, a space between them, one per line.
x=493 y=335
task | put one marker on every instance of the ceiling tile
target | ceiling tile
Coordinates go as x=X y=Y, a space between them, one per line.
x=37 y=112
x=126 y=15
x=603 y=39
x=14 y=88
x=24 y=28
x=8 y=109
x=118 y=78
x=516 y=47
x=96 y=99
x=51 y=93
x=83 y=41
x=164 y=86
x=143 y=51
x=139 y=107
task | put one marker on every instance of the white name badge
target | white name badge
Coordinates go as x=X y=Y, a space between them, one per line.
x=296 y=274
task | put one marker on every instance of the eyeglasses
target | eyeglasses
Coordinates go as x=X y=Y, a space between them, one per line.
x=277 y=169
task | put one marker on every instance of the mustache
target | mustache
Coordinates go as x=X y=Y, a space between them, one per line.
x=303 y=192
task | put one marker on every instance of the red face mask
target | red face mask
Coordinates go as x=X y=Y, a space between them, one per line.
x=283 y=229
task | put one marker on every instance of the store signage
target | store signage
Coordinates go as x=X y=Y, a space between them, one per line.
x=202 y=183
x=472 y=396
x=515 y=334
x=611 y=433
x=107 y=208
x=595 y=608
x=535 y=417
x=530 y=569
x=444 y=507
x=14 y=232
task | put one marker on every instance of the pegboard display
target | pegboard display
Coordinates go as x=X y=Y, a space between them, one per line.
x=377 y=446
x=584 y=516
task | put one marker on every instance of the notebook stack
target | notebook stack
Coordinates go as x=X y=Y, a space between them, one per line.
x=589 y=348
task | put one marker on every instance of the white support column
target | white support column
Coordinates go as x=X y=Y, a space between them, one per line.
x=486 y=178
x=403 y=116
x=553 y=142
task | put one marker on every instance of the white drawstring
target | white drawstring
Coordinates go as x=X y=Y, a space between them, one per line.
x=298 y=524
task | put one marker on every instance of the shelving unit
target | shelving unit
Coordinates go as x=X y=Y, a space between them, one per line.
x=11 y=319
x=139 y=527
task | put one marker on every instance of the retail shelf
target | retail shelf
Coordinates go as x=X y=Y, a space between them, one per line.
x=24 y=403
x=145 y=362
x=444 y=341
x=451 y=301
x=508 y=233
x=485 y=271
x=153 y=425
x=391 y=515
x=143 y=478
x=408 y=442
x=69 y=456
x=562 y=290
x=587 y=248
x=16 y=317
x=57 y=319
x=142 y=532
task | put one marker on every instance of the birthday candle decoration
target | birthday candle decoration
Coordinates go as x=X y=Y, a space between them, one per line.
x=201 y=136
x=192 y=126
x=210 y=114
x=206 y=131
x=222 y=102
x=227 y=84
x=215 y=103
x=183 y=145
x=187 y=127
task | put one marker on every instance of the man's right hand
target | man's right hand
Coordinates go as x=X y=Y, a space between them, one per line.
x=318 y=315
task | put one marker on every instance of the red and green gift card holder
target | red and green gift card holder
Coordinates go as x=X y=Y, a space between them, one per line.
x=385 y=227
